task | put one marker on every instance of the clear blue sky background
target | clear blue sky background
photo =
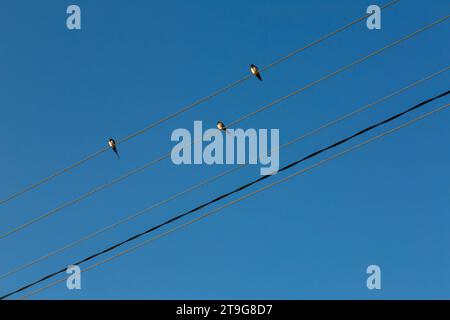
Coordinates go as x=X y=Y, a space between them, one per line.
x=64 y=93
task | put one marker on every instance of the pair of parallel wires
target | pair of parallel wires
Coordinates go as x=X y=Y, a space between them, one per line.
x=289 y=166
x=185 y=109
x=228 y=171
x=249 y=184
x=147 y=165
x=220 y=175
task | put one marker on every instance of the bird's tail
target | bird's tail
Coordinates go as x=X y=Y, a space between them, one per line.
x=117 y=153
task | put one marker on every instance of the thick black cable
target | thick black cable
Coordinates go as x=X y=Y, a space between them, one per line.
x=205 y=182
x=245 y=186
x=273 y=103
x=246 y=196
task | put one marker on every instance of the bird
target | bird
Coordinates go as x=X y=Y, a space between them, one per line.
x=112 y=145
x=221 y=126
x=255 y=71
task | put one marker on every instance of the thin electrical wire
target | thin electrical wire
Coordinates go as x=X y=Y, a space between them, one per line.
x=332 y=74
x=120 y=222
x=109 y=184
x=317 y=164
x=220 y=175
x=185 y=109
x=225 y=195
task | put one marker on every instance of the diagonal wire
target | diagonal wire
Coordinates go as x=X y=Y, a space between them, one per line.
x=227 y=194
x=317 y=164
x=183 y=110
x=220 y=175
x=332 y=74
x=132 y=172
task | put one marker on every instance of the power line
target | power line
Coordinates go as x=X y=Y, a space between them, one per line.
x=236 y=190
x=122 y=221
x=220 y=175
x=324 y=38
x=134 y=171
x=185 y=109
x=317 y=164
x=330 y=75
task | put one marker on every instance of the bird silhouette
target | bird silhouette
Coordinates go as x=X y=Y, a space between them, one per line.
x=222 y=127
x=255 y=71
x=112 y=145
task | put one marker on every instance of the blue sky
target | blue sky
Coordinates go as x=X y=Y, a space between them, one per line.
x=64 y=93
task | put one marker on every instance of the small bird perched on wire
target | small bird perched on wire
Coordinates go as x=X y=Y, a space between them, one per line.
x=221 y=126
x=255 y=71
x=112 y=145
